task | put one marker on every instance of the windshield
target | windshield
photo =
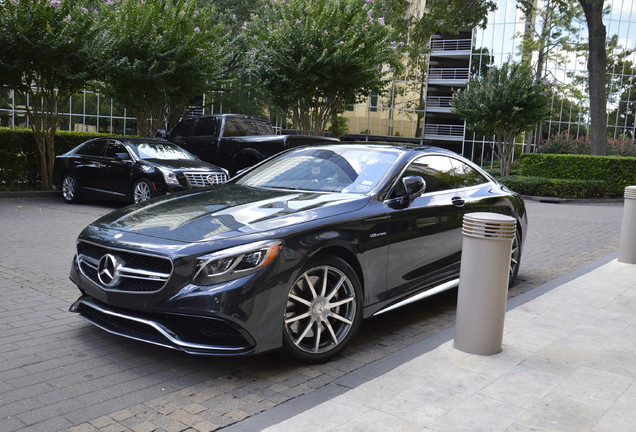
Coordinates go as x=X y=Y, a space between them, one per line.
x=159 y=150
x=323 y=169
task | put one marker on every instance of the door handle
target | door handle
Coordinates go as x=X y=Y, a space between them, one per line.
x=458 y=201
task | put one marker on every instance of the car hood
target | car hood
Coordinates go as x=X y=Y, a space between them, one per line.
x=182 y=164
x=227 y=211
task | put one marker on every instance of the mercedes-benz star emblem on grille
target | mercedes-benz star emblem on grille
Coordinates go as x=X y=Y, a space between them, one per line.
x=108 y=270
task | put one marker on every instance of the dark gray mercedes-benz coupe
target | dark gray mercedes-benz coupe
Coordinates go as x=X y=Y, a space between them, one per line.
x=291 y=254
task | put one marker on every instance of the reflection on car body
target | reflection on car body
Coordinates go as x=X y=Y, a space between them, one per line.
x=293 y=253
x=132 y=169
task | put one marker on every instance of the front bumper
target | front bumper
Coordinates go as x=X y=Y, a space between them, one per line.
x=191 y=334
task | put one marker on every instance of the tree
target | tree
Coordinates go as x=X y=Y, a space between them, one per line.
x=317 y=57
x=504 y=103
x=156 y=55
x=45 y=56
x=596 y=67
x=551 y=32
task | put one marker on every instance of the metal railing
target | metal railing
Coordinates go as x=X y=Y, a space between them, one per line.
x=444 y=130
x=448 y=73
x=450 y=45
x=439 y=102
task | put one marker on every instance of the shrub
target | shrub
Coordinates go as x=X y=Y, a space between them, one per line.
x=617 y=172
x=566 y=143
x=551 y=187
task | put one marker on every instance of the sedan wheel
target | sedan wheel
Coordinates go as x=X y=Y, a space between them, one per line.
x=70 y=190
x=323 y=312
x=142 y=191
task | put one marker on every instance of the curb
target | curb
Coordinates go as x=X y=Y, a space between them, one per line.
x=556 y=200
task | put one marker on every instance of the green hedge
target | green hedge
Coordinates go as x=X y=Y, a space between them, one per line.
x=551 y=187
x=19 y=158
x=616 y=171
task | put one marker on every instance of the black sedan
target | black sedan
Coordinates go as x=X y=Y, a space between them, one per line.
x=132 y=169
x=293 y=253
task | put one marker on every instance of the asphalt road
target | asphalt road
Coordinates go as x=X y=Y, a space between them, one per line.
x=58 y=372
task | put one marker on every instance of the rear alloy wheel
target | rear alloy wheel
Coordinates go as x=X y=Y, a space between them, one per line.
x=142 y=191
x=323 y=312
x=70 y=189
x=515 y=259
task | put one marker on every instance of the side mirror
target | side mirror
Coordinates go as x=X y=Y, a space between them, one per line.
x=161 y=133
x=122 y=156
x=414 y=187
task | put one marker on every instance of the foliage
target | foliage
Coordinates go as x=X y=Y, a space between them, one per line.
x=49 y=57
x=566 y=143
x=554 y=187
x=551 y=33
x=155 y=55
x=339 y=126
x=417 y=21
x=504 y=103
x=317 y=57
x=617 y=172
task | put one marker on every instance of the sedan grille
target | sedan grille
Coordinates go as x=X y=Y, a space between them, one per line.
x=121 y=270
x=202 y=179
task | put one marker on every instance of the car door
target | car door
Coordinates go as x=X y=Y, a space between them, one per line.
x=203 y=142
x=88 y=163
x=117 y=172
x=425 y=238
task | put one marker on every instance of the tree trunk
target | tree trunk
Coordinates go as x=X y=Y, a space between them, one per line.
x=596 y=67
x=43 y=116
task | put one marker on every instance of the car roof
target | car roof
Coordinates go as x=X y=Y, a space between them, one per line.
x=401 y=147
x=134 y=140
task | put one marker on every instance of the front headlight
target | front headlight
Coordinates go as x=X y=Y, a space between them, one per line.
x=169 y=176
x=234 y=262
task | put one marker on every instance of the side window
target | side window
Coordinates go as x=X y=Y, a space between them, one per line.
x=465 y=175
x=114 y=148
x=183 y=128
x=206 y=126
x=437 y=171
x=92 y=148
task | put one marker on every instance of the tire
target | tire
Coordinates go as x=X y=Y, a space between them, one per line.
x=515 y=259
x=323 y=311
x=70 y=189
x=142 y=191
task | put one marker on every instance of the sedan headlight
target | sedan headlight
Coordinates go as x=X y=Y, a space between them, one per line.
x=169 y=176
x=234 y=262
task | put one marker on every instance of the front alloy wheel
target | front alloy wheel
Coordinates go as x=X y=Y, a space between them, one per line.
x=323 y=312
x=142 y=191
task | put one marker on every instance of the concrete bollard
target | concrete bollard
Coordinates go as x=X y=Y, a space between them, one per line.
x=627 y=243
x=483 y=282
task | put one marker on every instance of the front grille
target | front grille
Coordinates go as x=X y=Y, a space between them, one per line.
x=135 y=272
x=202 y=179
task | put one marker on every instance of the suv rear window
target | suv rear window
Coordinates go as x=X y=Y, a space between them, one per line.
x=236 y=126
